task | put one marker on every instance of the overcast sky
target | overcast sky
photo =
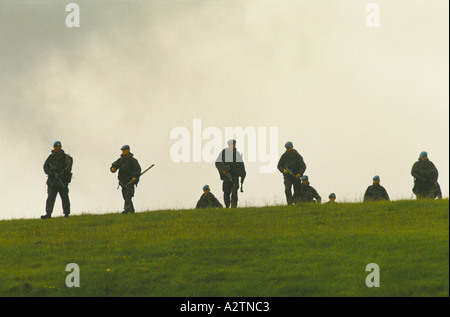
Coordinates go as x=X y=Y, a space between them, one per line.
x=356 y=101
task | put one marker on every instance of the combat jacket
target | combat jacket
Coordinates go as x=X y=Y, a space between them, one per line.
x=232 y=162
x=292 y=160
x=128 y=168
x=208 y=201
x=308 y=194
x=58 y=163
x=375 y=192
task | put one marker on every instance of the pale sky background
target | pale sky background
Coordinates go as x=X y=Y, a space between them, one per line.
x=355 y=101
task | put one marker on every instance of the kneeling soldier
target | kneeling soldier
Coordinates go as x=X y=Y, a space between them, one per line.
x=208 y=200
x=376 y=191
x=308 y=193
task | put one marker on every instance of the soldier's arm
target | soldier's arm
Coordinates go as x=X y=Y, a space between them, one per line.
x=416 y=173
x=115 y=165
x=243 y=172
x=217 y=203
x=220 y=165
x=136 y=169
x=434 y=174
x=386 y=196
x=67 y=165
x=46 y=166
x=317 y=196
x=281 y=164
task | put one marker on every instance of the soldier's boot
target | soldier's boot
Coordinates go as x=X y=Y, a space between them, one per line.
x=46 y=216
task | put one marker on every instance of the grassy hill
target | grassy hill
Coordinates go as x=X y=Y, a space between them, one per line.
x=308 y=250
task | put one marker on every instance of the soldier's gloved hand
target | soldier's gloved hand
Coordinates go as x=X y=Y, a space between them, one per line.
x=113 y=170
x=298 y=176
x=134 y=179
x=284 y=171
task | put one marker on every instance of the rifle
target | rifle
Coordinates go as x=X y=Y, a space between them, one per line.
x=55 y=173
x=242 y=185
x=228 y=173
x=289 y=171
x=131 y=182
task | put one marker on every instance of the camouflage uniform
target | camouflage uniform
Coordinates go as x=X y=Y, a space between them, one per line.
x=307 y=194
x=62 y=166
x=437 y=191
x=208 y=201
x=230 y=160
x=375 y=192
x=129 y=168
x=293 y=161
x=425 y=179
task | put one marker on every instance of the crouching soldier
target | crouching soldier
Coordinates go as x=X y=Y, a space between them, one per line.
x=129 y=172
x=332 y=198
x=307 y=193
x=425 y=176
x=376 y=191
x=208 y=200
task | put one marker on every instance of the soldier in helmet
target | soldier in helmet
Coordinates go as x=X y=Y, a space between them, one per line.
x=307 y=193
x=58 y=167
x=231 y=166
x=332 y=198
x=376 y=192
x=208 y=200
x=292 y=166
x=129 y=172
x=425 y=178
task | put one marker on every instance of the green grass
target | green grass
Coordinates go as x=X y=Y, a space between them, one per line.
x=309 y=250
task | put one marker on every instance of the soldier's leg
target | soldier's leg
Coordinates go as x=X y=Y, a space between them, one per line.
x=64 y=194
x=296 y=197
x=128 y=194
x=124 y=196
x=226 y=188
x=51 y=197
x=234 y=194
x=287 y=190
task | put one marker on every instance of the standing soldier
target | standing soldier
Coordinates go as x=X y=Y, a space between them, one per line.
x=58 y=167
x=231 y=166
x=425 y=178
x=292 y=166
x=129 y=172
x=375 y=191
x=208 y=200
x=307 y=193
